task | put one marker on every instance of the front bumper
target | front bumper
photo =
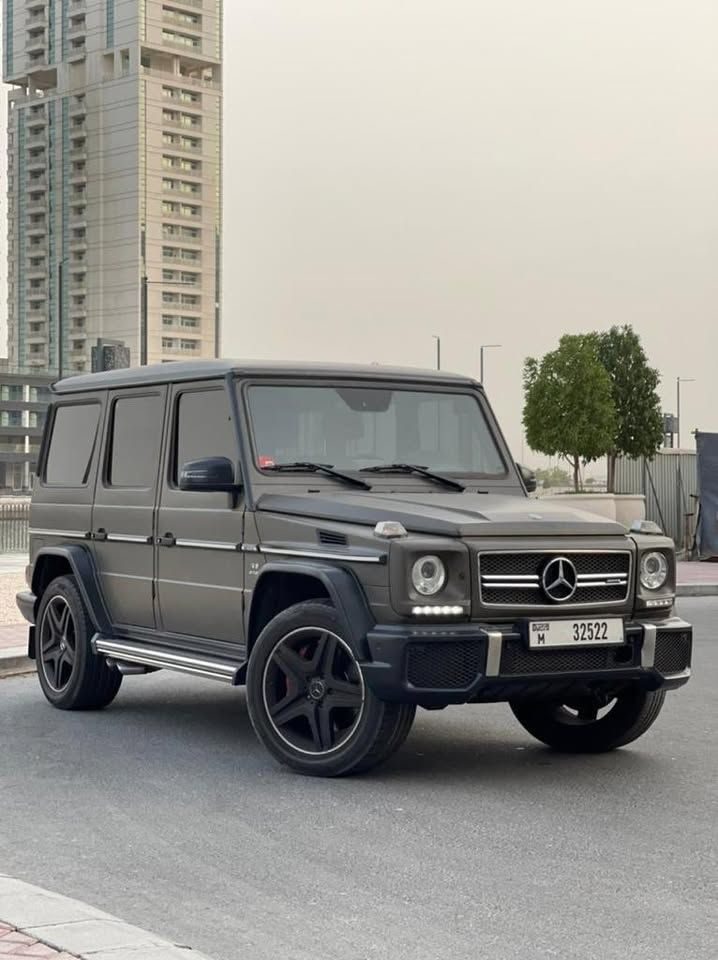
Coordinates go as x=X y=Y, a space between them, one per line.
x=459 y=663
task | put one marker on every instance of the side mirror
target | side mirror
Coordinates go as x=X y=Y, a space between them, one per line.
x=528 y=477
x=213 y=474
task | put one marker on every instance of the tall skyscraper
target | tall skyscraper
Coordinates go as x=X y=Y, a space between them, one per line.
x=114 y=178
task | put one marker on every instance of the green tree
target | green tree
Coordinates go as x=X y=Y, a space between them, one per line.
x=634 y=384
x=568 y=403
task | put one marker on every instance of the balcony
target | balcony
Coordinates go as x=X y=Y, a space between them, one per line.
x=78 y=313
x=78 y=177
x=77 y=27
x=37 y=359
x=36 y=43
x=36 y=163
x=78 y=243
x=36 y=183
x=32 y=5
x=36 y=206
x=78 y=108
x=35 y=273
x=79 y=154
x=77 y=51
x=36 y=139
x=36 y=230
x=35 y=338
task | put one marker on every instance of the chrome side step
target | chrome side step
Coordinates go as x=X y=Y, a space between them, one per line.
x=124 y=652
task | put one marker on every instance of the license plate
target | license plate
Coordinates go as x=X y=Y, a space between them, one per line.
x=575 y=633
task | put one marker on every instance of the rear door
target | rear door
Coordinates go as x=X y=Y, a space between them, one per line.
x=199 y=562
x=125 y=504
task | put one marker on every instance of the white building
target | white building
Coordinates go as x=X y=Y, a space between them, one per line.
x=114 y=177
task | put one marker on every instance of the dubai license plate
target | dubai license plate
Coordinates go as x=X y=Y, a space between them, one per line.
x=575 y=633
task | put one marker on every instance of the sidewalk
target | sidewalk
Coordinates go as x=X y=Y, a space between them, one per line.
x=37 y=923
x=697 y=579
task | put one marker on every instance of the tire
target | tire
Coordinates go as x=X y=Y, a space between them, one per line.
x=576 y=727
x=72 y=677
x=308 y=702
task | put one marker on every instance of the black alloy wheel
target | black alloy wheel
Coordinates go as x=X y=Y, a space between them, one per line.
x=307 y=699
x=71 y=675
x=313 y=690
x=591 y=724
x=57 y=643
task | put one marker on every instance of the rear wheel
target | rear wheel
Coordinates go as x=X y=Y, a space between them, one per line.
x=308 y=702
x=592 y=724
x=72 y=677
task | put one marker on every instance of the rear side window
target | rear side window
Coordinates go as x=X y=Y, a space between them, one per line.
x=74 y=432
x=135 y=441
x=204 y=428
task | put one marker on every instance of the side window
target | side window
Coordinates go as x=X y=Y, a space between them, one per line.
x=135 y=441
x=74 y=431
x=204 y=428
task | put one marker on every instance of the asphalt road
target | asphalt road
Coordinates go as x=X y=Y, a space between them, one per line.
x=474 y=842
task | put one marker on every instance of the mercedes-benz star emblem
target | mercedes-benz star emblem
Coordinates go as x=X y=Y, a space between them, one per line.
x=559 y=580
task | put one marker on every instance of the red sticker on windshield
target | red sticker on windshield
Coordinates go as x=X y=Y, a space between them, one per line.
x=265 y=461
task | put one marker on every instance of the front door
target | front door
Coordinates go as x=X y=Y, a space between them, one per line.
x=199 y=562
x=125 y=504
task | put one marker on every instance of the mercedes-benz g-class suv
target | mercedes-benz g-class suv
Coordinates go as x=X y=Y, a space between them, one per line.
x=349 y=543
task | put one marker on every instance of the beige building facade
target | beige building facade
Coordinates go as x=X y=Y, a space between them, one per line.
x=114 y=179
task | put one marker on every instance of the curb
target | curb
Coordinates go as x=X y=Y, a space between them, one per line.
x=697 y=590
x=14 y=662
x=78 y=930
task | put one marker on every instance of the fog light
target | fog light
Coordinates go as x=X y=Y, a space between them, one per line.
x=660 y=603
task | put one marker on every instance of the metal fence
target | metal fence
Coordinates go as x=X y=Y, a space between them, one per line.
x=14 y=524
x=670 y=485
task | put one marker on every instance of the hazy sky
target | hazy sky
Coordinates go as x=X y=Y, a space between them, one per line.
x=490 y=172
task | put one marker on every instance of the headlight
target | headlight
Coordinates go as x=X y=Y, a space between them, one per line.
x=654 y=570
x=428 y=575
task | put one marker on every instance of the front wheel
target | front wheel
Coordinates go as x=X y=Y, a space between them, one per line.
x=592 y=724
x=308 y=702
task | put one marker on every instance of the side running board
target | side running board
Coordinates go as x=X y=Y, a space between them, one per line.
x=160 y=658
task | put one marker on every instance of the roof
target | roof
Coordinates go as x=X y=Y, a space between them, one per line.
x=181 y=371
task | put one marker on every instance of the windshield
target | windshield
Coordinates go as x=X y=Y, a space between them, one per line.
x=355 y=427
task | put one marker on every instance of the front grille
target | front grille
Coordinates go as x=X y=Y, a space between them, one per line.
x=517 y=659
x=673 y=651
x=450 y=665
x=514 y=579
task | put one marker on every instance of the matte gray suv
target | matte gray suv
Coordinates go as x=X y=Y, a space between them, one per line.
x=349 y=543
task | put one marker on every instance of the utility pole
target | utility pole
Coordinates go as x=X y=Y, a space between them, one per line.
x=60 y=318
x=143 y=321
x=438 y=351
x=679 y=381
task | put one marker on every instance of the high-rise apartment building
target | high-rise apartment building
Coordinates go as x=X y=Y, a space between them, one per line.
x=114 y=177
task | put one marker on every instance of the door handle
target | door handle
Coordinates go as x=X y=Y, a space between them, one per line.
x=100 y=534
x=168 y=540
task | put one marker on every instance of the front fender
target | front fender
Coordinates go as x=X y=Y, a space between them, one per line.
x=345 y=593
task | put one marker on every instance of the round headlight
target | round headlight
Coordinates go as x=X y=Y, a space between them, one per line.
x=428 y=575
x=654 y=570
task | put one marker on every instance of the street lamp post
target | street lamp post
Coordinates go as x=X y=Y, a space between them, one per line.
x=485 y=346
x=679 y=381
x=438 y=351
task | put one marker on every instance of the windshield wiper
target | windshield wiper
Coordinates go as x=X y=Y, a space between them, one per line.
x=415 y=468
x=306 y=466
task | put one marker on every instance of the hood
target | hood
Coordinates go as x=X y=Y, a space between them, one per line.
x=446 y=514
